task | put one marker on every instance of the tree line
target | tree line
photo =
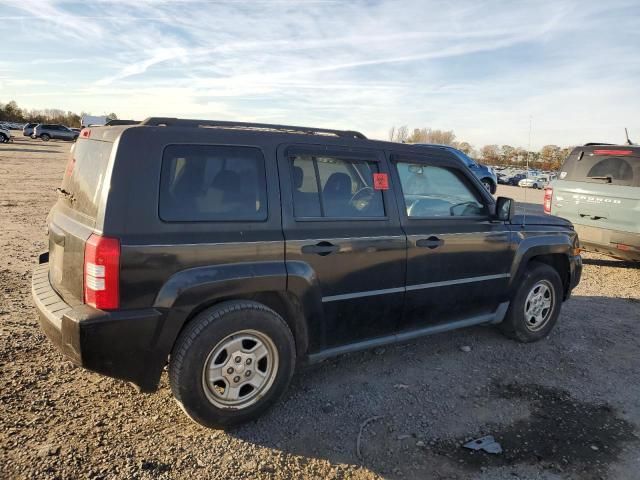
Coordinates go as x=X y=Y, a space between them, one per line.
x=11 y=112
x=550 y=157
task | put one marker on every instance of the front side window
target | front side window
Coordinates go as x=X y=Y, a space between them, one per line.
x=431 y=191
x=325 y=186
x=212 y=183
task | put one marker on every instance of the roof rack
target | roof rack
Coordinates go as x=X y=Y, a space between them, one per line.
x=590 y=144
x=178 y=122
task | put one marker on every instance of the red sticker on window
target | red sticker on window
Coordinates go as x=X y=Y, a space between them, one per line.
x=381 y=181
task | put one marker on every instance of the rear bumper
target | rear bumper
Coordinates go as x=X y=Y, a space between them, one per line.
x=618 y=244
x=119 y=344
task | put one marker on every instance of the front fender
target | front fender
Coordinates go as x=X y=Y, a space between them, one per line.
x=535 y=243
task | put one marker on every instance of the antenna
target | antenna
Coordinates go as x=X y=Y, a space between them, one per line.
x=524 y=216
x=629 y=142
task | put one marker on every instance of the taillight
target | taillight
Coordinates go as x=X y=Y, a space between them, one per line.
x=548 y=195
x=613 y=152
x=85 y=133
x=102 y=272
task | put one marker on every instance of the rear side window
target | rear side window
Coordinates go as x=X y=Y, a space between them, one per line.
x=332 y=187
x=205 y=183
x=604 y=166
x=85 y=175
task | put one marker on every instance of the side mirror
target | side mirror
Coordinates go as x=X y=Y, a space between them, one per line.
x=505 y=209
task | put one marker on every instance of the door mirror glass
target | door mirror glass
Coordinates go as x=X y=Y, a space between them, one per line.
x=505 y=208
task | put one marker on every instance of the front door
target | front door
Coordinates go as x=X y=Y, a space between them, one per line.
x=346 y=229
x=458 y=257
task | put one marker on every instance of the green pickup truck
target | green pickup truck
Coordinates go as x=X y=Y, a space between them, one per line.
x=598 y=190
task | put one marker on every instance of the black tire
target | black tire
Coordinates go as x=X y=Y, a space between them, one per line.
x=3 y=138
x=488 y=184
x=195 y=346
x=45 y=137
x=516 y=325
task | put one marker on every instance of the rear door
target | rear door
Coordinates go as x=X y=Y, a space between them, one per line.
x=346 y=230
x=600 y=187
x=458 y=258
x=73 y=218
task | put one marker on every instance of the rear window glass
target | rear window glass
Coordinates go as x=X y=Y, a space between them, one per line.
x=85 y=174
x=604 y=168
x=212 y=183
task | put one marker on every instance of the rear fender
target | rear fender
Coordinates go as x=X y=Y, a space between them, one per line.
x=303 y=285
x=188 y=292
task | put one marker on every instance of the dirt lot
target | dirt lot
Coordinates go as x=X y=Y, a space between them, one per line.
x=567 y=407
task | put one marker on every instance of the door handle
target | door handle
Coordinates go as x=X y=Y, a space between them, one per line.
x=431 y=242
x=321 y=248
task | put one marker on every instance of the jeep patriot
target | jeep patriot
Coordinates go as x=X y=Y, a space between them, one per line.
x=233 y=252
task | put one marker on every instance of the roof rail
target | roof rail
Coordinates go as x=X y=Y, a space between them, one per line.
x=596 y=143
x=179 y=122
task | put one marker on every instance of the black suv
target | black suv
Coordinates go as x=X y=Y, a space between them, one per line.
x=233 y=252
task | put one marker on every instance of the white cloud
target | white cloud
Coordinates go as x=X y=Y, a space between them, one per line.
x=479 y=68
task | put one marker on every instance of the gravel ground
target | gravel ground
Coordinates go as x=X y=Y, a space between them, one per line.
x=566 y=407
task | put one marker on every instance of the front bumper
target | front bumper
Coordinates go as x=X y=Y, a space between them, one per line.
x=119 y=344
x=575 y=271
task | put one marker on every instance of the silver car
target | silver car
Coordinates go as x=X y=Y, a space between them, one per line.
x=48 y=132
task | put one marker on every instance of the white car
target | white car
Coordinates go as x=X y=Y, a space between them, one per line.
x=534 y=182
x=5 y=135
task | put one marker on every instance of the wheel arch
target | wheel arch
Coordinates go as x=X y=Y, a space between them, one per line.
x=188 y=293
x=560 y=263
x=553 y=250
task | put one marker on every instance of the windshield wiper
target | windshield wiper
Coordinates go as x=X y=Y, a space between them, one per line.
x=606 y=177
x=66 y=194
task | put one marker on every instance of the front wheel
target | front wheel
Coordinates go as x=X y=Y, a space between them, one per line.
x=3 y=138
x=231 y=363
x=535 y=308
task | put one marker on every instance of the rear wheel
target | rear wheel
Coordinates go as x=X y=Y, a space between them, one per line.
x=45 y=137
x=536 y=305
x=3 y=138
x=231 y=363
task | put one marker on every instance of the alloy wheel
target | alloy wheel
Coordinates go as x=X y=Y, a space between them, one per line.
x=539 y=305
x=240 y=369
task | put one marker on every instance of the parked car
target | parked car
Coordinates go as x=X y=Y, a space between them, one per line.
x=514 y=180
x=599 y=191
x=5 y=135
x=534 y=182
x=48 y=132
x=252 y=248
x=27 y=130
x=485 y=174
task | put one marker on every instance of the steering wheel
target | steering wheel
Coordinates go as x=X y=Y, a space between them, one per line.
x=361 y=198
x=465 y=204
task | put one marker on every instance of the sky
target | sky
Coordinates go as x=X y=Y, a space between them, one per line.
x=495 y=72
